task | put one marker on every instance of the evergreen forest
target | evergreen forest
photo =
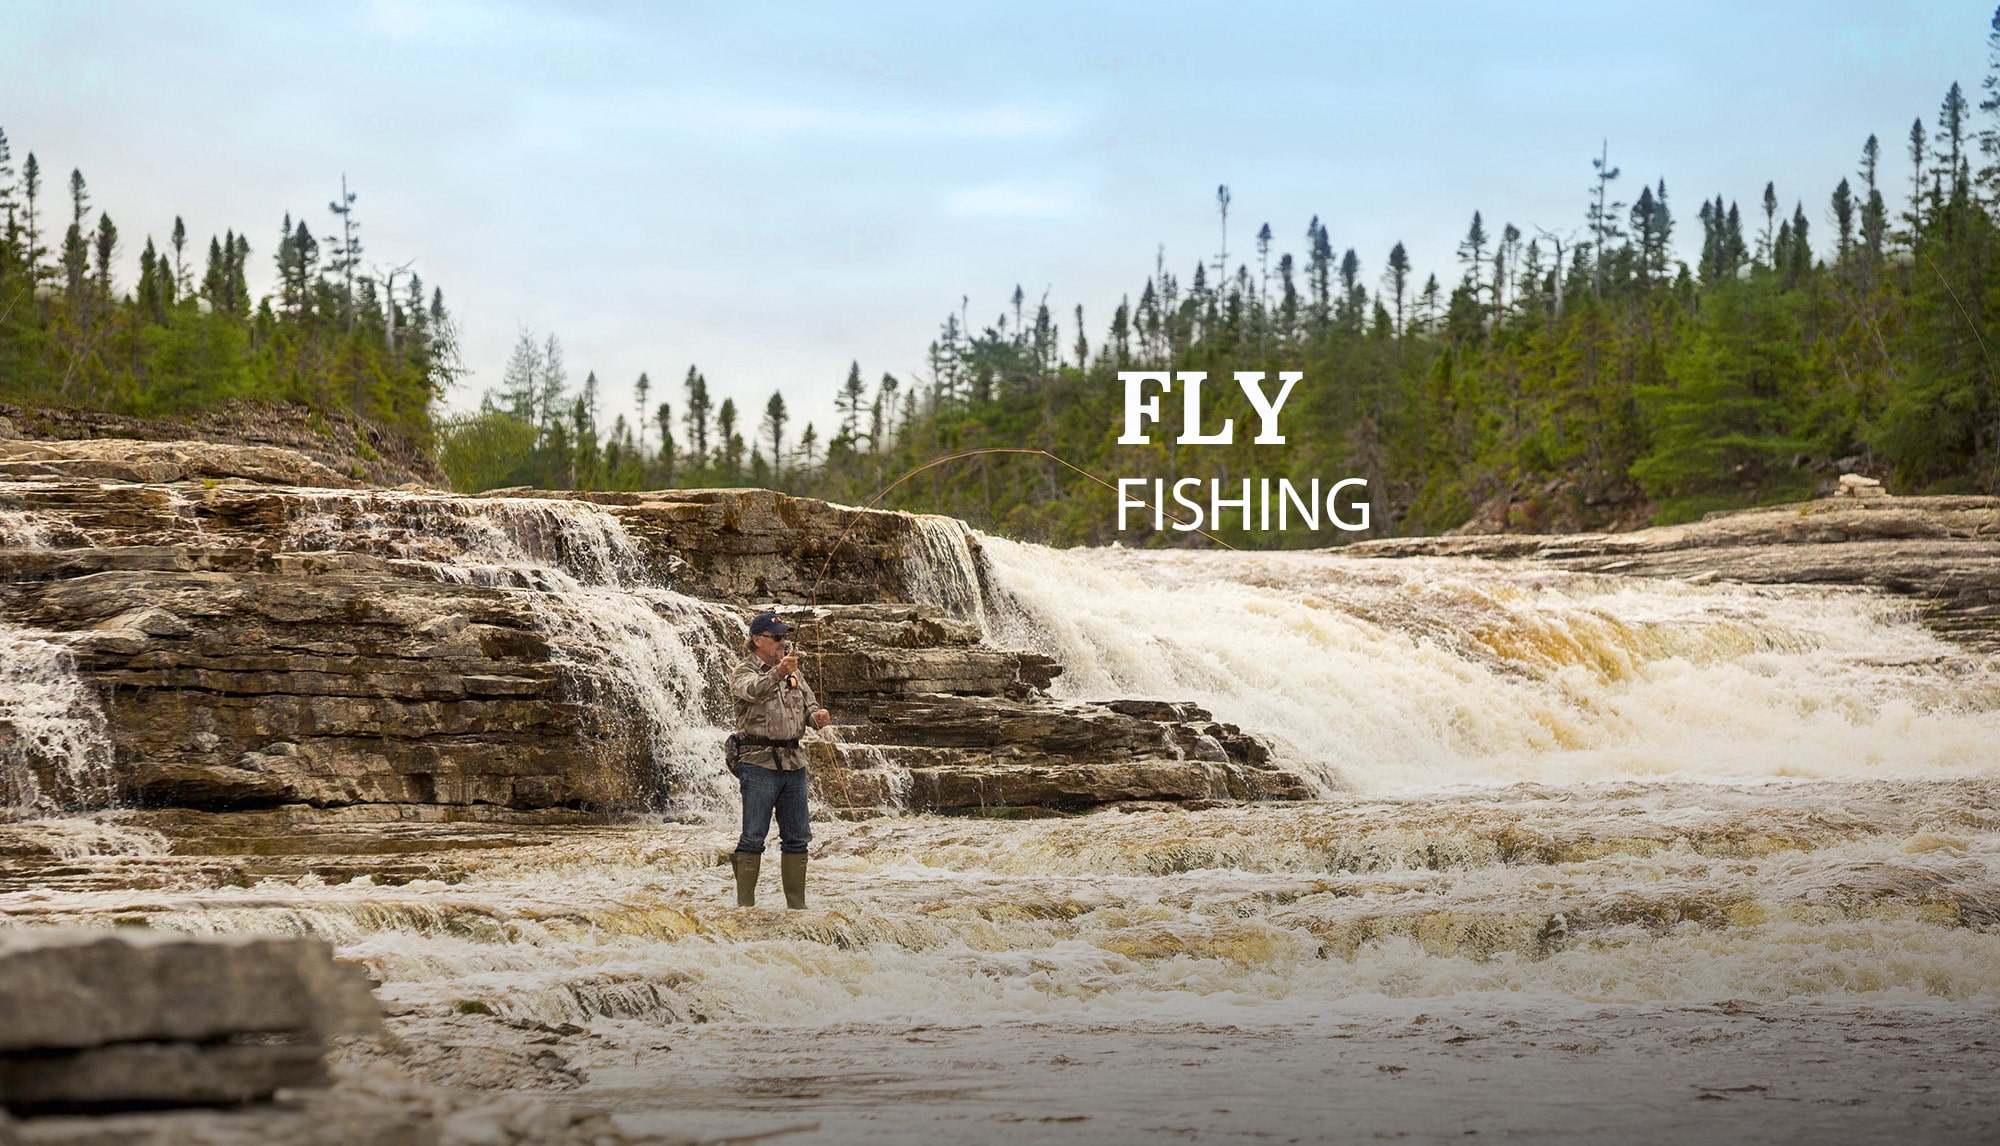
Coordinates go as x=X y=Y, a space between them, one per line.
x=1582 y=377
x=336 y=334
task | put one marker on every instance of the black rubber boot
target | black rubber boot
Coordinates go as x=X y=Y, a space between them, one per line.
x=792 y=872
x=746 y=865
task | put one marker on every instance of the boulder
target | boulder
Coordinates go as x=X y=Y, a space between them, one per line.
x=73 y=988
x=116 y=1019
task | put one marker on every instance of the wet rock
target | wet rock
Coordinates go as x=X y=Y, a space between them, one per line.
x=905 y=650
x=256 y=645
x=989 y=754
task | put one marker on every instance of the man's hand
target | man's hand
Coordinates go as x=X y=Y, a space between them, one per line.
x=787 y=666
x=822 y=718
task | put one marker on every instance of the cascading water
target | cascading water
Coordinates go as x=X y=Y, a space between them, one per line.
x=940 y=569
x=1390 y=676
x=648 y=652
x=55 y=750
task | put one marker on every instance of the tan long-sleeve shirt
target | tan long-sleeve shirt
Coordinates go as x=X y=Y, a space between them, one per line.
x=771 y=708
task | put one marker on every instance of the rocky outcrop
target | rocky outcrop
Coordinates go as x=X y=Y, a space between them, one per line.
x=254 y=641
x=993 y=755
x=345 y=686
x=1942 y=552
x=118 y=1019
x=124 y=459
x=756 y=545
x=343 y=444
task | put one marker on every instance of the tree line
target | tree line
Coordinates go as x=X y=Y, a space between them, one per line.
x=1564 y=377
x=336 y=333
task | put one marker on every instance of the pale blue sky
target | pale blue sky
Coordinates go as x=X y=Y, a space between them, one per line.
x=771 y=190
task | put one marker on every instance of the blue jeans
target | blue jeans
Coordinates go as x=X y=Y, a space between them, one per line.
x=765 y=789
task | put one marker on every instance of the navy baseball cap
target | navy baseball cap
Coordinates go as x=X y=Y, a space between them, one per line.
x=768 y=625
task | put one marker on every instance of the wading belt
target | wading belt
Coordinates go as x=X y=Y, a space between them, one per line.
x=766 y=742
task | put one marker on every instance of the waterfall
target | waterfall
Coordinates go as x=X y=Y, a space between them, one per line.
x=55 y=749
x=1383 y=676
x=638 y=646
x=939 y=568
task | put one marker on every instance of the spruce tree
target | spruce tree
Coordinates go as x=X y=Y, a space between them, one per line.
x=76 y=248
x=1874 y=212
x=853 y=395
x=1916 y=214
x=697 y=416
x=347 y=255
x=75 y=264
x=179 y=240
x=1950 y=155
x=732 y=442
x=1264 y=264
x=640 y=389
x=1472 y=249
x=1353 y=298
x=79 y=198
x=1603 y=218
x=212 y=279
x=775 y=418
x=105 y=248
x=1767 y=243
x=9 y=206
x=31 y=193
x=1319 y=269
x=1842 y=206
x=149 y=295
x=1397 y=279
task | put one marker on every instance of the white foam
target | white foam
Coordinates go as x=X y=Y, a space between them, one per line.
x=55 y=748
x=1384 y=676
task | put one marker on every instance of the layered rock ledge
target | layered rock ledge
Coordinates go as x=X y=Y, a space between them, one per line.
x=250 y=630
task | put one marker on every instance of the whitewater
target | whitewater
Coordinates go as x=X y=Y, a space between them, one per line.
x=1590 y=856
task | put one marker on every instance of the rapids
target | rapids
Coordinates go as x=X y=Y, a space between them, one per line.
x=1391 y=676
x=1566 y=810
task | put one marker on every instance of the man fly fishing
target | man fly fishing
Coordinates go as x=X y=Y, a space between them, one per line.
x=774 y=706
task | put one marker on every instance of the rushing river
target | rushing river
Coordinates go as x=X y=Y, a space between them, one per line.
x=1594 y=857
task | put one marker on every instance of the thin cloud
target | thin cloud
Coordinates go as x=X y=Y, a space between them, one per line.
x=1013 y=200
x=765 y=120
